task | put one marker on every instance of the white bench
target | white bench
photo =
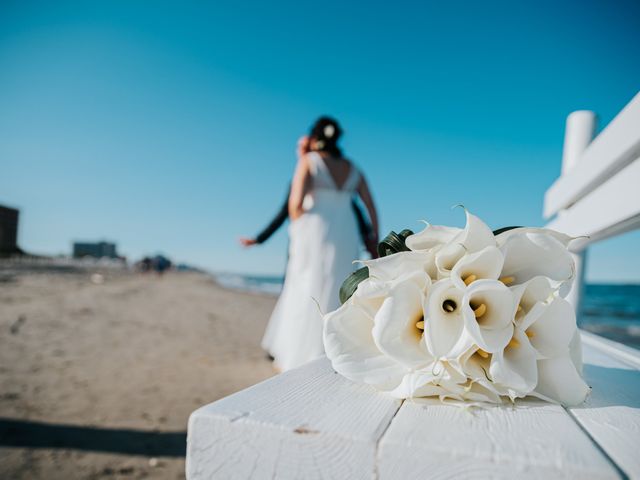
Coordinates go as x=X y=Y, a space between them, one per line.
x=313 y=423
x=597 y=194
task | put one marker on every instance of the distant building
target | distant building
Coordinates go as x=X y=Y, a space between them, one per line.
x=96 y=250
x=8 y=231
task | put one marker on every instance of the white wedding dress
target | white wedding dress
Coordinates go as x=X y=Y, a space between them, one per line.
x=323 y=243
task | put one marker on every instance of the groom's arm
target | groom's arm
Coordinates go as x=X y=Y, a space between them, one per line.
x=366 y=232
x=276 y=223
x=363 y=225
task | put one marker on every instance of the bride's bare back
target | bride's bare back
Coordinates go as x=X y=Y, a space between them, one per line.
x=339 y=169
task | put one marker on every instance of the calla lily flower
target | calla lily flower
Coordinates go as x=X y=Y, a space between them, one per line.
x=417 y=384
x=488 y=309
x=559 y=380
x=374 y=337
x=446 y=258
x=481 y=392
x=544 y=332
x=399 y=326
x=532 y=253
x=476 y=364
x=550 y=333
x=484 y=264
x=432 y=236
x=439 y=378
x=353 y=353
x=575 y=351
x=393 y=266
x=532 y=298
x=515 y=368
x=476 y=235
x=444 y=318
x=374 y=287
x=469 y=379
x=564 y=239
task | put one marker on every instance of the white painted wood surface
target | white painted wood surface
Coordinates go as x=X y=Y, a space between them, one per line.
x=597 y=194
x=579 y=131
x=611 y=414
x=611 y=209
x=531 y=440
x=306 y=423
x=616 y=147
x=312 y=423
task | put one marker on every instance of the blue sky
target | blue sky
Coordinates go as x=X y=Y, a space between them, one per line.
x=171 y=127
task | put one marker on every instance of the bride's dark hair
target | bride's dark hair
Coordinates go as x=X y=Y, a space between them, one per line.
x=326 y=131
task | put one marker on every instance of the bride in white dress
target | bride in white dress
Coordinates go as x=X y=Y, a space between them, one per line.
x=323 y=243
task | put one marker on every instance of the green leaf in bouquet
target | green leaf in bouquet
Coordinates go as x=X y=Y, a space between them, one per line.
x=394 y=243
x=351 y=283
x=503 y=229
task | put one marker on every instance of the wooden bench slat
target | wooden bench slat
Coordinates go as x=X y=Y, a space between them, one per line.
x=612 y=150
x=610 y=209
x=306 y=423
x=313 y=423
x=532 y=440
x=611 y=414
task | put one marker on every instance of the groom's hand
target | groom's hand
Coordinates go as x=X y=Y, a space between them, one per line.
x=247 y=242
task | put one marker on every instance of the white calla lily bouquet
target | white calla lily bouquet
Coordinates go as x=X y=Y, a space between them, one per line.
x=467 y=315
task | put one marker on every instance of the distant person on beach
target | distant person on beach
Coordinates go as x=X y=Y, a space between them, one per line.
x=324 y=239
x=160 y=264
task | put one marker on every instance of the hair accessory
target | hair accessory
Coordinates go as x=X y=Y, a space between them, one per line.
x=329 y=131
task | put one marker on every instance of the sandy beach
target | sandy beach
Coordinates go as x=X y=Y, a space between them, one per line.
x=97 y=380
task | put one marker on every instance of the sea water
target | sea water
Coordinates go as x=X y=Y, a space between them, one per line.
x=270 y=285
x=610 y=310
